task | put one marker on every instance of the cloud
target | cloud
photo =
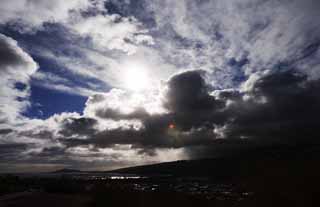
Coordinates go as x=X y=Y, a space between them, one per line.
x=97 y=55
x=208 y=34
x=189 y=100
x=113 y=130
x=279 y=107
x=287 y=113
x=189 y=105
x=112 y=32
x=10 y=151
x=16 y=67
x=30 y=15
x=55 y=82
x=206 y=122
x=14 y=61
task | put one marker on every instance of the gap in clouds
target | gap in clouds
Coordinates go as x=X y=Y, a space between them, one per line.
x=47 y=102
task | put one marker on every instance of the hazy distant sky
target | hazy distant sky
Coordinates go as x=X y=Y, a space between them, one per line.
x=102 y=84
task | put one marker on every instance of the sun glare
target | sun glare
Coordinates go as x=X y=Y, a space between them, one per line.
x=136 y=77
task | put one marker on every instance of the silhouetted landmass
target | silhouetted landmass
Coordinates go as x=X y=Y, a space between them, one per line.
x=278 y=176
x=275 y=176
x=242 y=163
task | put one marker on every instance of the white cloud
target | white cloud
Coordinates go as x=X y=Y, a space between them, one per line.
x=122 y=102
x=112 y=32
x=58 y=83
x=32 y=14
x=267 y=33
x=15 y=66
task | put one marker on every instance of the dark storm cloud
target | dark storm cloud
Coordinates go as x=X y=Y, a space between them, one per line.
x=190 y=109
x=153 y=135
x=283 y=107
x=78 y=126
x=280 y=107
x=189 y=101
x=187 y=92
x=220 y=148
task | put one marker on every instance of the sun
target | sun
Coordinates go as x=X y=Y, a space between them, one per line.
x=136 y=77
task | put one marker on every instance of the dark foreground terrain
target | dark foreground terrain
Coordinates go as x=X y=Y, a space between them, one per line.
x=280 y=177
x=79 y=190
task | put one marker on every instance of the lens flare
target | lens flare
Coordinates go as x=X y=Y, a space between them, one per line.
x=172 y=126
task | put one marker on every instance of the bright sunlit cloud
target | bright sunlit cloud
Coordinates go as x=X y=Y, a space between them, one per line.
x=136 y=77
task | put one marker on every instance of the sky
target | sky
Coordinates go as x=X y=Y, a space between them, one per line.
x=104 y=84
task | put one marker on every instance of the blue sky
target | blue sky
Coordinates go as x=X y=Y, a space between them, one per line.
x=46 y=102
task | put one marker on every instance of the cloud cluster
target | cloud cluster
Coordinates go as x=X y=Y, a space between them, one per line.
x=279 y=107
x=235 y=38
x=276 y=108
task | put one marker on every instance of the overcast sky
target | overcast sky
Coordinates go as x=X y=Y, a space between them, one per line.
x=103 y=84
